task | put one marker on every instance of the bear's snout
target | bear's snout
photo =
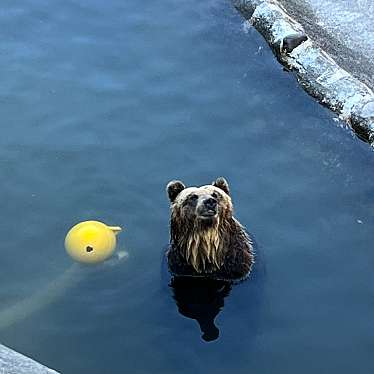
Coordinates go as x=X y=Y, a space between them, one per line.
x=207 y=208
x=210 y=203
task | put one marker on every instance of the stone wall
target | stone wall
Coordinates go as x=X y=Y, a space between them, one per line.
x=318 y=73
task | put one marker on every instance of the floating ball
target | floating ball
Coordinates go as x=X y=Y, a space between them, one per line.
x=91 y=242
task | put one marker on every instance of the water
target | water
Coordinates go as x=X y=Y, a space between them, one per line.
x=102 y=104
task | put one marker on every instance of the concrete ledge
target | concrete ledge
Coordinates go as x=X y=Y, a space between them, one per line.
x=316 y=71
x=12 y=362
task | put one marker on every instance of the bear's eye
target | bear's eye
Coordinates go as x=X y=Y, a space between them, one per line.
x=194 y=197
x=215 y=195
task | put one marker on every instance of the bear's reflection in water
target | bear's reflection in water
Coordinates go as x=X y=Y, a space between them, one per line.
x=201 y=299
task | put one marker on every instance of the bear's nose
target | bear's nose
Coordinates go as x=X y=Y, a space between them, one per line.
x=210 y=203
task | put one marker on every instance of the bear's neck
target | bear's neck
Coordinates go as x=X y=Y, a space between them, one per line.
x=201 y=245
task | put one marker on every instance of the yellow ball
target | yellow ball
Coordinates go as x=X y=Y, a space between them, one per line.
x=91 y=242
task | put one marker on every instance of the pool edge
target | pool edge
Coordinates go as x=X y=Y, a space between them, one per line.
x=316 y=71
x=12 y=362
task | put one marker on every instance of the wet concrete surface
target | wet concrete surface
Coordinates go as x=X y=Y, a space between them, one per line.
x=12 y=362
x=343 y=28
x=327 y=45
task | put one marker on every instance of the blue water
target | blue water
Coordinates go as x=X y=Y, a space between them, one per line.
x=102 y=103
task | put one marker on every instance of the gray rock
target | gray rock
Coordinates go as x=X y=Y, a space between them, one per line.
x=292 y=41
x=12 y=362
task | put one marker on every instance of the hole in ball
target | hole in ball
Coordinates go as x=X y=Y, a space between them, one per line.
x=89 y=249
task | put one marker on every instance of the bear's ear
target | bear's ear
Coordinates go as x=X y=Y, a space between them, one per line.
x=222 y=184
x=174 y=188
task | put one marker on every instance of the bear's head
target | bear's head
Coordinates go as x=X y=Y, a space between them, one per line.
x=203 y=206
x=200 y=218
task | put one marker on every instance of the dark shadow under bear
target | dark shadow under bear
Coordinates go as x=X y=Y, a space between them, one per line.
x=201 y=299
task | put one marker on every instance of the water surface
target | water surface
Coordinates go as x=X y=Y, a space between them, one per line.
x=102 y=104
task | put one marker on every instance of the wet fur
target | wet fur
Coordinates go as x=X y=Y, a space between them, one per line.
x=218 y=248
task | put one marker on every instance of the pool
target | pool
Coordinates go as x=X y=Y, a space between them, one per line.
x=102 y=104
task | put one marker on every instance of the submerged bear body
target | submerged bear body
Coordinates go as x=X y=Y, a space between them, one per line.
x=205 y=239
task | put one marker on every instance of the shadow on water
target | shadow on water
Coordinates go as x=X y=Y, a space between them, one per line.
x=201 y=299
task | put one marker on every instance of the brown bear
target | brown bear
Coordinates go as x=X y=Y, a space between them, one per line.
x=205 y=239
